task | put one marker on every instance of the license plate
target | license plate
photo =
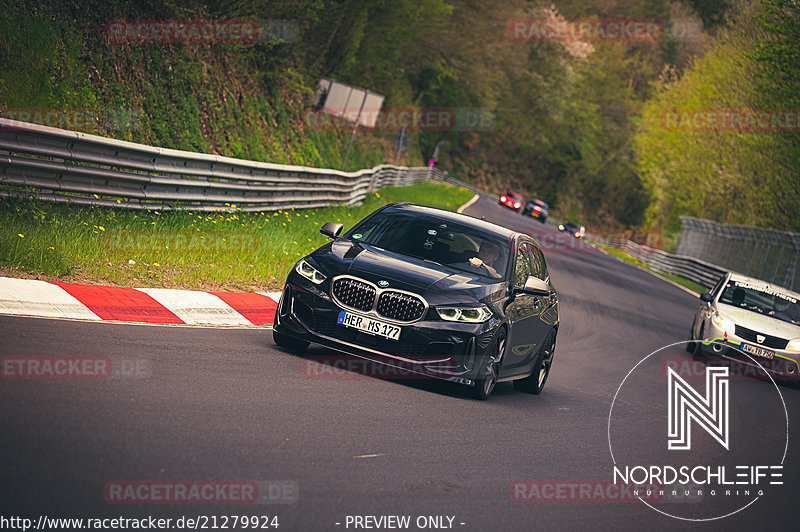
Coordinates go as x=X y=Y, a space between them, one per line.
x=369 y=326
x=758 y=351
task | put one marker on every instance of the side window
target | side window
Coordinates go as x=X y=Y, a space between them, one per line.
x=522 y=267
x=538 y=267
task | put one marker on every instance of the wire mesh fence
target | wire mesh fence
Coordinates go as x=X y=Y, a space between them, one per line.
x=766 y=254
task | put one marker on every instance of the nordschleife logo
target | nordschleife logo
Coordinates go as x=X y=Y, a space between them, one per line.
x=725 y=441
x=686 y=405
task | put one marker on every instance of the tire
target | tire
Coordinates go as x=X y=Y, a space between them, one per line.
x=485 y=385
x=697 y=347
x=690 y=346
x=541 y=369
x=287 y=342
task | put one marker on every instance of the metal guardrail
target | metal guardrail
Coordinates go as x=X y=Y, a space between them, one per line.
x=699 y=271
x=69 y=166
x=81 y=168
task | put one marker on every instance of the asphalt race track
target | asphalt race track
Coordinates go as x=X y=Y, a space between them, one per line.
x=227 y=405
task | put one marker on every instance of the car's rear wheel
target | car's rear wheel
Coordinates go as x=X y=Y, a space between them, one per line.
x=292 y=344
x=484 y=386
x=541 y=369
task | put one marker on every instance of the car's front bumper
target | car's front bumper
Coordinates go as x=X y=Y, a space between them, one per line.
x=439 y=349
x=725 y=343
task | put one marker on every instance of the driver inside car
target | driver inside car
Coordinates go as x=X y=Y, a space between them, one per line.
x=487 y=256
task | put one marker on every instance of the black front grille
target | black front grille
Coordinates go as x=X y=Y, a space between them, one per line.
x=769 y=341
x=354 y=294
x=400 y=307
x=328 y=326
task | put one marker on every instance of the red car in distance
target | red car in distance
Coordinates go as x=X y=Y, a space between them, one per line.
x=512 y=200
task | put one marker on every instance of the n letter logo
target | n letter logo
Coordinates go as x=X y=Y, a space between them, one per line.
x=686 y=404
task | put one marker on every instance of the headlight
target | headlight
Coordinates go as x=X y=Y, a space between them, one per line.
x=309 y=272
x=722 y=322
x=794 y=345
x=560 y=227
x=467 y=314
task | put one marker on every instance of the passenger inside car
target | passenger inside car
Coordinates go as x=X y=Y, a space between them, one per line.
x=785 y=310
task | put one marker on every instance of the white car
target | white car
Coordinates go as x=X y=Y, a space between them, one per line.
x=742 y=315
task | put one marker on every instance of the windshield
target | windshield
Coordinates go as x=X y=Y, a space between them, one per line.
x=767 y=301
x=429 y=238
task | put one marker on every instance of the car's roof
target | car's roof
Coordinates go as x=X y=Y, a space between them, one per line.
x=455 y=217
x=512 y=193
x=759 y=282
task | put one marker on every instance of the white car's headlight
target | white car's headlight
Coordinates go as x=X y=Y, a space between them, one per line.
x=722 y=322
x=468 y=314
x=309 y=272
x=793 y=345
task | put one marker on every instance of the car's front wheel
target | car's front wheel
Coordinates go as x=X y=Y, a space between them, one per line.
x=697 y=345
x=690 y=345
x=484 y=386
x=292 y=344
x=541 y=370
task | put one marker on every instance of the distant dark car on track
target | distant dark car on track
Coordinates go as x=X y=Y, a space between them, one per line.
x=573 y=228
x=536 y=208
x=512 y=200
x=435 y=293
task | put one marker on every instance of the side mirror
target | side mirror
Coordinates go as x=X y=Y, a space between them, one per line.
x=707 y=297
x=535 y=286
x=331 y=230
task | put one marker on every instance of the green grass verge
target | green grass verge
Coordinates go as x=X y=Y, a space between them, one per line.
x=686 y=283
x=181 y=249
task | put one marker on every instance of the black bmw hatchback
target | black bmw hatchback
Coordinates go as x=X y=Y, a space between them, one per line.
x=432 y=292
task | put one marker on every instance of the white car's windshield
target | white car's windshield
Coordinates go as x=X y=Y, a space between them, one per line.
x=761 y=299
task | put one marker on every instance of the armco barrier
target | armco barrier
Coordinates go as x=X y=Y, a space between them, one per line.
x=68 y=166
x=87 y=169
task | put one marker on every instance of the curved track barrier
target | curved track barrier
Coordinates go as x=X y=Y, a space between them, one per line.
x=69 y=166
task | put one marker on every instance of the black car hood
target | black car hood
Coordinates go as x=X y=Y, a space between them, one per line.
x=345 y=257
